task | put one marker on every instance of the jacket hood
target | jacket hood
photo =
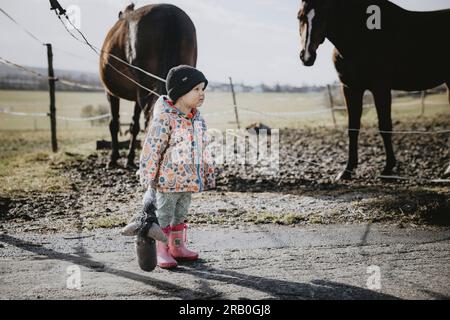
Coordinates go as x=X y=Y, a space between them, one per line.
x=164 y=104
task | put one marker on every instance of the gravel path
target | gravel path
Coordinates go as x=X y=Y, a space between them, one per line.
x=247 y=262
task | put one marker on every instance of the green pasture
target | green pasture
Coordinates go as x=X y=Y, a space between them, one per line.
x=286 y=110
x=27 y=162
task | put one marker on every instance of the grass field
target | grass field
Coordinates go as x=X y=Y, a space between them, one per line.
x=27 y=161
x=26 y=158
x=218 y=109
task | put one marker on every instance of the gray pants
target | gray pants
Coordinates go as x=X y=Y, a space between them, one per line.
x=172 y=207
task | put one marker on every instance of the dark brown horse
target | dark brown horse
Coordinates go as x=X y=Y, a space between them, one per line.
x=154 y=38
x=377 y=49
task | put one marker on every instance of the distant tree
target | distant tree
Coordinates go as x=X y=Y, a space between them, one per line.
x=278 y=88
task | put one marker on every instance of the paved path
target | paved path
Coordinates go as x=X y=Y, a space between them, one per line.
x=249 y=262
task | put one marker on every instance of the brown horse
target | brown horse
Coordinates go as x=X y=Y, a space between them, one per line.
x=377 y=48
x=154 y=38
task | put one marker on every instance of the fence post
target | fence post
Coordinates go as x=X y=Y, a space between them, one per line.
x=51 y=85
x=424 y=93
x=331 y=104
x=235 y=105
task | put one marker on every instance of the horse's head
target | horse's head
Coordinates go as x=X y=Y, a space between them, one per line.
x=313 y=24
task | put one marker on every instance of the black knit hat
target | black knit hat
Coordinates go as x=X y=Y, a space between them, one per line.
x=182 y=79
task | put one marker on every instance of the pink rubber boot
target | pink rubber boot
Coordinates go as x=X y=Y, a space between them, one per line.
x=177 y=243
x=164 y=258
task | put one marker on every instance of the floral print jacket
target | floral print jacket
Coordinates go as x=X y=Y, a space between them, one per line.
x=175 y=155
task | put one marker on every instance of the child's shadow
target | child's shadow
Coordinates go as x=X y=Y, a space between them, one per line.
x=278 y=289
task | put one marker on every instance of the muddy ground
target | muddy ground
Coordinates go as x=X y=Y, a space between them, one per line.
x=294 y=235
x=302 y=192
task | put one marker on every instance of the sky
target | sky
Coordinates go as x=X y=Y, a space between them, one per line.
x=252 y=41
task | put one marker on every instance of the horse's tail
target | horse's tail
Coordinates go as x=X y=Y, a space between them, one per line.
x=448 y=92
x=178 y=36
x=167 y=54
x=169 y=45
x=170 y=48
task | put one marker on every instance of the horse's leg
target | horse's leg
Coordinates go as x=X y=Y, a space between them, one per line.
x=448 y=91
x=144 y=101
x=354 y=102
x=134 y=130
x=160 y=88
x=148 y=111
x=114 y=103
x=447 y=172
x=383 y=101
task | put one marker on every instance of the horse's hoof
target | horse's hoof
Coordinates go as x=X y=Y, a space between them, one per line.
x=132 y=166
x=344 y=175
x=112 y=165
x=391 y=170
x=447 y=173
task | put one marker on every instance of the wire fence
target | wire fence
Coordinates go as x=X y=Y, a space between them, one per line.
x=316 y=111
x=335 y=99
x=330 y=110
x=332 y=96
x=313 y=112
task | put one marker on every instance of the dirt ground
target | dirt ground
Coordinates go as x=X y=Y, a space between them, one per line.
x=322 y=224
x=301 y=192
